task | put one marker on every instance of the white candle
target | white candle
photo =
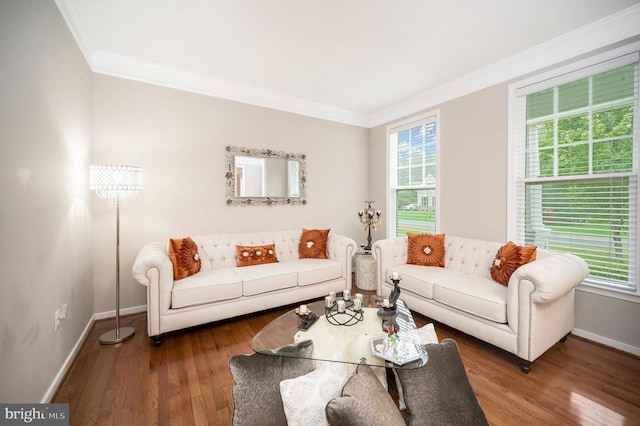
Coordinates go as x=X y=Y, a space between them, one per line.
x=332 y=295
x=360 y=297
x=303 y=309
x=395 y=275
x=340 y=305
x=357 y=304
x=328 y=301
x=346 y=295
x=385 y=303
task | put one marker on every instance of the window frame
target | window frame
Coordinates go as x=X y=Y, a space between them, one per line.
x=432 y=116
x=556 y=77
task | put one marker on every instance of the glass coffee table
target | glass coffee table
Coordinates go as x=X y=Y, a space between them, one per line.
x=363 y=340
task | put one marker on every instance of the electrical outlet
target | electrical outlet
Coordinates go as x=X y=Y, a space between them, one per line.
x=57 y=320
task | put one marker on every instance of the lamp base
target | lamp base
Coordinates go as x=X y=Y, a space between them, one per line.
x=112 y=337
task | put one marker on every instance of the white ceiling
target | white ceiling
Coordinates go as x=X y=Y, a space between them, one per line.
x=362 y=62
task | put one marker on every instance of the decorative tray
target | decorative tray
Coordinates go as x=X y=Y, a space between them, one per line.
x=404 y=352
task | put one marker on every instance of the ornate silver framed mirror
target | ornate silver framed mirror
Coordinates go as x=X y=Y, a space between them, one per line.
x=265 y=177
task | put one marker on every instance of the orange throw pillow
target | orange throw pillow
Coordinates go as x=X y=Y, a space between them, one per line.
x=509 y=258
x=426 y=249
x=313 y=244
x=256 y=255
x=184 y=256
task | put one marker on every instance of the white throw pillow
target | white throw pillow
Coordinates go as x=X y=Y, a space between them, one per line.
x=305 y=397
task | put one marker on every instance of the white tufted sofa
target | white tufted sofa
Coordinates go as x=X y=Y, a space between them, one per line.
x=525 y=318
x=222 y=290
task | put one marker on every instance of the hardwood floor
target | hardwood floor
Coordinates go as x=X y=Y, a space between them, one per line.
x=186 y=380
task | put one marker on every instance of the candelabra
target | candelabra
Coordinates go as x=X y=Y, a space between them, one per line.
x=369 y=218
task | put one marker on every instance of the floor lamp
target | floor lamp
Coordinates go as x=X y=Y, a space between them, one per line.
x=117 y=184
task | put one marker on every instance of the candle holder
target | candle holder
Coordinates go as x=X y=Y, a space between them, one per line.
x=349 y=317
x=369 y=218
x=395 y=293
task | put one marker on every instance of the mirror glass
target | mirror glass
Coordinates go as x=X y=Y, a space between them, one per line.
x=264 y=177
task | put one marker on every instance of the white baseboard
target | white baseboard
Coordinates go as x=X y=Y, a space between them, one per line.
x=76 y=348
x=125 y=311
x=67 y=362
x=606 y=341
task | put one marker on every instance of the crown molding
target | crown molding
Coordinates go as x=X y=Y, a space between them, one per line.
x=72 y=14
x=612 y=29
x=601 y=33
x=132 y=69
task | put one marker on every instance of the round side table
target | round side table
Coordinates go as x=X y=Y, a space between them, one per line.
x=366 y=272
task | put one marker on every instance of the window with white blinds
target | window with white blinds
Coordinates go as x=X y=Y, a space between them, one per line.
x=412 y=179
x=576 y=168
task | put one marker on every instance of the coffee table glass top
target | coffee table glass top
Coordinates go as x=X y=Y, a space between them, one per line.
x=347 y=344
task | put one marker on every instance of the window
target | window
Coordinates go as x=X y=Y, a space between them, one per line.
x=576 y=141
x=413 y=160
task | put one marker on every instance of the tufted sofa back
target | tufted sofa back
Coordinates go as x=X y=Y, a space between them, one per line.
x=219 y=250
x=473 y=256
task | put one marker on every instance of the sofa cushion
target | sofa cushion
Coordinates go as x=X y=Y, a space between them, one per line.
x=206 y=287
x=256 y=384
x=426 y=249
x=440 y=393
x=420 y=279
x=184 y=256
x=313 y=244
x=313 y=271
x=256 y=255
x=364 y=401
x=478 y=296
x=259 y=279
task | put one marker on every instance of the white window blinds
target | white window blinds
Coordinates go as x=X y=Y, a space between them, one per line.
x=413 y=164
x=577 y=168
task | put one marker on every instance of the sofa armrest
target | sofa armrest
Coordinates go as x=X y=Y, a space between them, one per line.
x=153 y=269
x=341 y=249
x=388 y=253
x=552 y=276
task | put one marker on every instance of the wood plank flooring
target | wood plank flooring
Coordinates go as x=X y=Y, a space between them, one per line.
x=186 y=381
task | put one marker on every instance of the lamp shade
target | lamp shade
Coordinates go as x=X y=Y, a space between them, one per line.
x=115 y=182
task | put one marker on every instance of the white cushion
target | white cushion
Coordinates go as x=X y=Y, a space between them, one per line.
x=478 y=296
x=304 y=398
x=313 y=271
x=257 y=279
x=420 y=279
x=206 y=287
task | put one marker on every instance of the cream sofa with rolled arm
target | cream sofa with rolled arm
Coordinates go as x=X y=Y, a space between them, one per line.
x=222 y=290
x=526 y=318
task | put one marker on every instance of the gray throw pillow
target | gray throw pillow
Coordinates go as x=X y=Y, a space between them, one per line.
x=256 y=383
x=364 y=401
x=440 y=393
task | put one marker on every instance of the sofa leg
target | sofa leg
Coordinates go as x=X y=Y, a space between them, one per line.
x=157 y=341
x=564 y=339
x=525 y=366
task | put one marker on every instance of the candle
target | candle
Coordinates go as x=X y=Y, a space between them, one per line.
x=385 y=303
x=340 y=305
x=360 y=297
x=328 y=301
x=332 y=294
x=357 y=304
x=303 y=309
x=346 y=295
x=395 y=275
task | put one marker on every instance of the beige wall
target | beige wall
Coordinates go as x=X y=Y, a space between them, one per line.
x=179 y=139
x=45 y=224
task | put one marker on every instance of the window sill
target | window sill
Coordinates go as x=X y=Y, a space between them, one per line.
x=614 y=294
